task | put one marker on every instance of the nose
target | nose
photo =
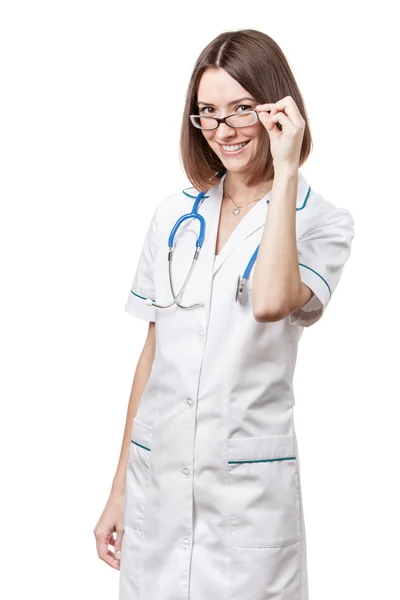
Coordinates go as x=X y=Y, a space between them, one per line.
x=224 y=132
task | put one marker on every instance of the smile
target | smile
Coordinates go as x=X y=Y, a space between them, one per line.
x=234 y=148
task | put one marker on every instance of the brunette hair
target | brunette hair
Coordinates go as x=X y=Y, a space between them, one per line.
x=256 y=62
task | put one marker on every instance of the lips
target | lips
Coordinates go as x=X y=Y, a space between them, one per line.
x=235 y=144
x=234 y=152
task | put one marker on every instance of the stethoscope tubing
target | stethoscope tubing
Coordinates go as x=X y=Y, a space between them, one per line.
x=242 y=280
x=199 y=244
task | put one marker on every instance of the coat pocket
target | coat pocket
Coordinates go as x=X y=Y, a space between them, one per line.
x=264 y=499
x=137 y=474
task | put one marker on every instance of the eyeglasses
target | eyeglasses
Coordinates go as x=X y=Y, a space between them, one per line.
x=241 y=119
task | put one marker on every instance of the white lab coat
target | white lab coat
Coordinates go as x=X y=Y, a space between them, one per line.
x=213 y=496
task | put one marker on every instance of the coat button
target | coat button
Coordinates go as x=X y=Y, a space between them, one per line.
x=200 y=334
x=185 y=542
x=185 y=472
x=189 y=402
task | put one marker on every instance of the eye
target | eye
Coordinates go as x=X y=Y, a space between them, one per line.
x=204 y=109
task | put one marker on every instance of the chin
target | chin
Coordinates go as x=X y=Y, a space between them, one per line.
x=235 y=167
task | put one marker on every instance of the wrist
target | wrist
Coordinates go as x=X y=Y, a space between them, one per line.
x=285 y=170
x=118 y=487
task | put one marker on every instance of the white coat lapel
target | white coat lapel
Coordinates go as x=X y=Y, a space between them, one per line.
x=253 y=220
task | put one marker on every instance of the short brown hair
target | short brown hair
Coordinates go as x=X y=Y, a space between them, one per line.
x=256 y=62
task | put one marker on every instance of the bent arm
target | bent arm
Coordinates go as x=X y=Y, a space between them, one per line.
x=141 y=377
x=277 y=286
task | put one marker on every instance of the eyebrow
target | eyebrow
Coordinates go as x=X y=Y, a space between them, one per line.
x=230 y=103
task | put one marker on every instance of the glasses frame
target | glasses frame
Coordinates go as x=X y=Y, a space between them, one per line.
x=223 y=120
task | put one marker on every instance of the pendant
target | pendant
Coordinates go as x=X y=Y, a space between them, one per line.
x=236 y=211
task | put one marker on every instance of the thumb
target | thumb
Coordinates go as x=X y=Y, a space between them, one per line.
x=265 y=120
x=118 y=541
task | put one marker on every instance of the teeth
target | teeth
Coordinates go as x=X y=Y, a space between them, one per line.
x=233 y=148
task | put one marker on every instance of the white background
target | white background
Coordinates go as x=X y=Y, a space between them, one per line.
x=92 y=94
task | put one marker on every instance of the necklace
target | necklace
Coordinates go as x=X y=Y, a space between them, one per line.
x=236 y=210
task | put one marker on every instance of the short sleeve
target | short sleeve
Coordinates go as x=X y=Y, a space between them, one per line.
x=323 y=251
x=143 y=285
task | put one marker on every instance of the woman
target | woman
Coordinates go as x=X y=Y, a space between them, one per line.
x=211 y=505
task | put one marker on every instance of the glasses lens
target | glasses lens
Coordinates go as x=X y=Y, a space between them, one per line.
x=203 y=122
x=242 y=119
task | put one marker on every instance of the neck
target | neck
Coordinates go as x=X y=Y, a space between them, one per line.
x=235 y=186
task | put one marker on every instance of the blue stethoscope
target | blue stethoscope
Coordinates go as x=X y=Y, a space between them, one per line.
x=242 y=279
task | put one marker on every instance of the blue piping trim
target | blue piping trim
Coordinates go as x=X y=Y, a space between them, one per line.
x=142 y=297
x=140 y=446
x=231 y=462
x=305 y=199
x=324 y=280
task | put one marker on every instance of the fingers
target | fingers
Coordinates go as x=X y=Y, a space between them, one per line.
x=106 y=539
x=118 y=544
x=266 y=119
x=275 y=117
x=286 y=107
x=281 y=118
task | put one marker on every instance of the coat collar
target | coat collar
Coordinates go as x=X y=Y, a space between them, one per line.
x=253 y=220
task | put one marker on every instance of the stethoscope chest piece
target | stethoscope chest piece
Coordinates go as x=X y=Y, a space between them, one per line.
x=241 y=290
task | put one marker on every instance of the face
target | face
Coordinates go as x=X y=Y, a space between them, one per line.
x=218 y=95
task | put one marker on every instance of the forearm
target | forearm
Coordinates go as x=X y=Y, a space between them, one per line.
x=141 y=377
x=276 y=281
